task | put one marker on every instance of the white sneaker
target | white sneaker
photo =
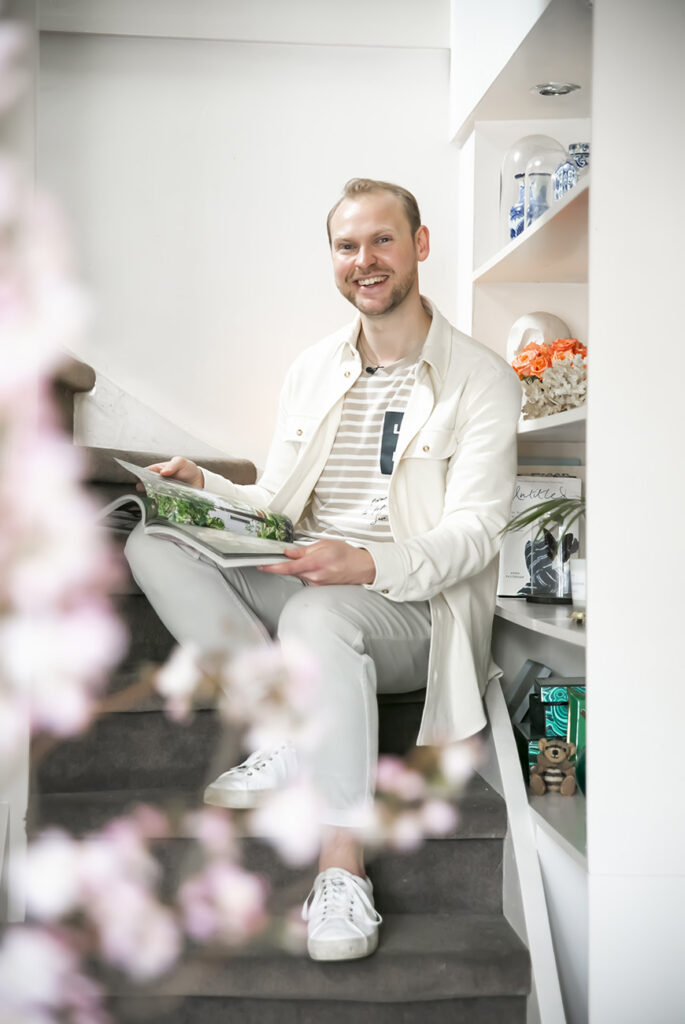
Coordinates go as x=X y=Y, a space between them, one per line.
x=342 y=920
x=248 y=783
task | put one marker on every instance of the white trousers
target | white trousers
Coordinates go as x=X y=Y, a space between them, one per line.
x=362 y=643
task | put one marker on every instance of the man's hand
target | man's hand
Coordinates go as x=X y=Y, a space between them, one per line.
x=183 y=470
x=326 y=563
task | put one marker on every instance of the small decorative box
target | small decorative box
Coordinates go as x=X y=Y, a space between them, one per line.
x=548 y=719
x=576 y=717
x=554 y=690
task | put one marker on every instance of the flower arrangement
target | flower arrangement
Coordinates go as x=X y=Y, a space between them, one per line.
x=554 y=376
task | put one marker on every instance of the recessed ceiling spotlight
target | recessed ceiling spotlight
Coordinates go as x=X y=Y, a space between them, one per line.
x=554 y=88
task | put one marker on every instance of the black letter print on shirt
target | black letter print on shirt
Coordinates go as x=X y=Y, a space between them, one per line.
x=391 y=430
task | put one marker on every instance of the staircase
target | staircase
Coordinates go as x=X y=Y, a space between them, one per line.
x=446 y=952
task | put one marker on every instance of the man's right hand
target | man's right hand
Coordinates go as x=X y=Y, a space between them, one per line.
x=183 y=470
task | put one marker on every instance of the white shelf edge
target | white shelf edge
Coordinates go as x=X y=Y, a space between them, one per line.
x=548 y=620
x=539 y=225
x=563 y=819
x=548 y=425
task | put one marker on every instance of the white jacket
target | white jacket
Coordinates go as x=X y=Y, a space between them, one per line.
x=449 y=495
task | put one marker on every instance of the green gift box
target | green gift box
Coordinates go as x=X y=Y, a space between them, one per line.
x=554 y=690
x=576 y=717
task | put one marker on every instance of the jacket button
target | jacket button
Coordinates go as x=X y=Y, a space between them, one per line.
x=384 y=591
x=299 y=432
x=347 y=373
x=426 y=448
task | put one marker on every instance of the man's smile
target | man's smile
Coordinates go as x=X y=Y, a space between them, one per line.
x=368 y=282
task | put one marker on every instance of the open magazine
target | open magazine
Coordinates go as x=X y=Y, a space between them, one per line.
x=226 y=531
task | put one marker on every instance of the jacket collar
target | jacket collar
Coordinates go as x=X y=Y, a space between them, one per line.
x=436 y=349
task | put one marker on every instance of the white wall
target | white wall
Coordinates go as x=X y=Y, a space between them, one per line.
x=197 y=175
x=636 y=430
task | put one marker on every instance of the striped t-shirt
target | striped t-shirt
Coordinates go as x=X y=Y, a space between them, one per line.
x=350 y=499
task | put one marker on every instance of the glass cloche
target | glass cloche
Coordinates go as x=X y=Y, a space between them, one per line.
x=512 y=181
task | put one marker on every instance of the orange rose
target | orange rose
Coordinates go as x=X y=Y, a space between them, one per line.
x=564 y=345
x=524 y=361
x=541 y=363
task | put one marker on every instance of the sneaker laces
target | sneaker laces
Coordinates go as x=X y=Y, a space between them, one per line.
x=335 y=897
x=258 y=761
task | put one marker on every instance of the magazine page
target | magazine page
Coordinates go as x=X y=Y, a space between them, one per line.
x=184 y=505
x=222 y=546
x=125 y=512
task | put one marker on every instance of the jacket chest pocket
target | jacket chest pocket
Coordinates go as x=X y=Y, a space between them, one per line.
x=432 y=445
x=299 y=429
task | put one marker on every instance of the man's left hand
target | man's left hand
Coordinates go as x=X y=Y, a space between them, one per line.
x=327 y=563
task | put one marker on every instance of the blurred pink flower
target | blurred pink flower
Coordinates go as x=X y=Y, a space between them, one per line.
x=289 y=820
x=457 y=762
x=393 y=776
x=117 y=853
x=135 y=932
x=150 y=822
x=178 y=680
x=213 y=829
x=52 y=876
x=272 y=689
x=405 y=832
x=223 y=903
x=40 y=980
x=56 y=664
x=438 y=818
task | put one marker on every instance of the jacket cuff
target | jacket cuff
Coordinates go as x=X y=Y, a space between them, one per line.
x=391 y=571
x=216 y=483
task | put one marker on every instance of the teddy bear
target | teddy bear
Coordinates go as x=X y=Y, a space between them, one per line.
x=554 y=771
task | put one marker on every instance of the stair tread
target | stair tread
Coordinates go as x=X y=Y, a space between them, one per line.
x=421 y=957
x=482 y=813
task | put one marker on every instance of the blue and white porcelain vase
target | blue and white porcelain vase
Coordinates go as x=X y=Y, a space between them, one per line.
x=539 y=170
x=579 y=153
x=564 y=178
x=537 y=196
x=516 y=217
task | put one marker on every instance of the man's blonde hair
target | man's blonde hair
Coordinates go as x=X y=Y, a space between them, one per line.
x=364 y=186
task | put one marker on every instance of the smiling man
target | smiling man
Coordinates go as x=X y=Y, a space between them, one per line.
x=394 y=454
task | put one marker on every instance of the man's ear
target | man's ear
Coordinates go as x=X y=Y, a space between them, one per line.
x=422 y=243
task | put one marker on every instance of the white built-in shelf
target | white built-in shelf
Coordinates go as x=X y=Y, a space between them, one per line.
x=548 y=619
x=558 y=45
x=564 y=819
x=553 y=248
x=560 y=426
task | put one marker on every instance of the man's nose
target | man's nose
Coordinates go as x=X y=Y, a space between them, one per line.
x=365 y=256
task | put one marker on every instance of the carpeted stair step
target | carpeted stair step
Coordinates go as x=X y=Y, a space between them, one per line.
x=145 y=750
x=464 y=869
x=482 y=812
x=428 y=966
x=125 y=751
x=212 y=1010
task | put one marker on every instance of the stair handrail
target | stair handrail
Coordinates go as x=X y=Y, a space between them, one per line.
x=535 y=913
